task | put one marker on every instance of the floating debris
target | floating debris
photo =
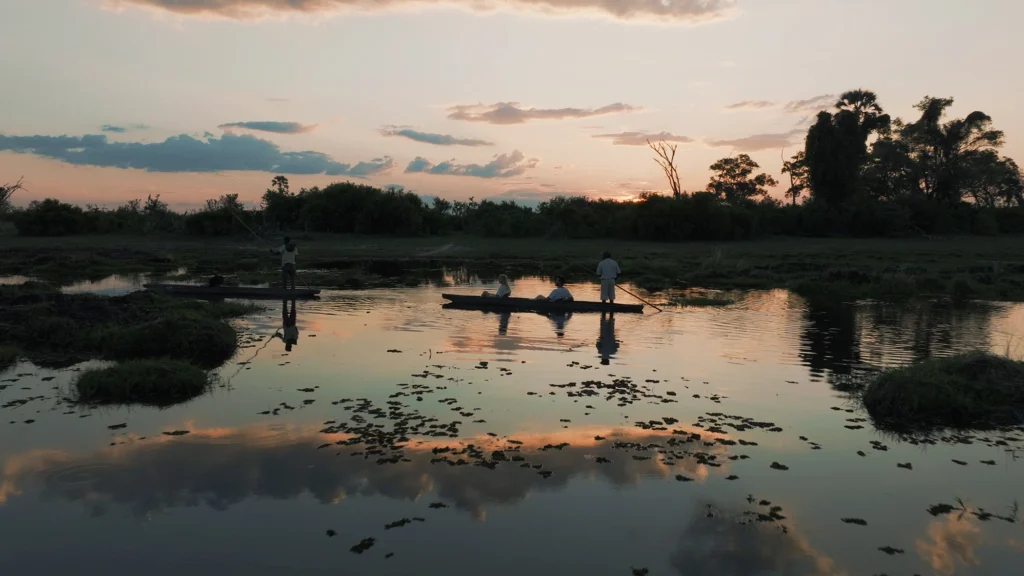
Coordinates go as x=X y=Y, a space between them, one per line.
x=331 y=533
x=890 y=550
x=907 y=466
x=176 y=433
x=364 y=545
x=117 y=426
x=777 y=466
x=857 y=521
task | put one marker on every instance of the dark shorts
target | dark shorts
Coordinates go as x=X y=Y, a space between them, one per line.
x=288 y=269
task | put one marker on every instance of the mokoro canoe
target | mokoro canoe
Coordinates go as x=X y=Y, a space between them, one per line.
x=200 y=291
x=466 y=302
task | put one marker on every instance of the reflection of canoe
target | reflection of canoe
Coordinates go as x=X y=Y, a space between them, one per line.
x=481 y=303
x=231 y=291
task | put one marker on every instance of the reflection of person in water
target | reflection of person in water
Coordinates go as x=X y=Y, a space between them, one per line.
x=289 y=333
x=607 y=345
x=559 y=321
x=503 y=319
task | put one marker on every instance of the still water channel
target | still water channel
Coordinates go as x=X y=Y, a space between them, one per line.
x=398 y=437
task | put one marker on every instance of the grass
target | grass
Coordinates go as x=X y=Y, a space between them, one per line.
x=834 y=268
x=55 y=329
x=8 y=356
x=152 y=382
x=204 y=341
x=977 y=390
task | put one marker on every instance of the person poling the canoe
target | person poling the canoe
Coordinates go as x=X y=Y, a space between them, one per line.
x=288 y=252
x=609 y=272
x=504 y=290
x=559 y=294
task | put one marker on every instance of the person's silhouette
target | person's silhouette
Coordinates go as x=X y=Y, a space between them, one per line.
x=289 y=333
x=607 y=345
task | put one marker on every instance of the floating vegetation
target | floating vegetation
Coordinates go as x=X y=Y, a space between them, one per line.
x=363 y=545
x=777 y=466
x=890 y=550
x=975 y=390
x=906 y=466
x=58 y=329
x=856 y=521
x=147 y=382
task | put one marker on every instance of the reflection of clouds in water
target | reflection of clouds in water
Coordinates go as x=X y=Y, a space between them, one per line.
x=720 y=546
x=221 y=468
x=950 y=542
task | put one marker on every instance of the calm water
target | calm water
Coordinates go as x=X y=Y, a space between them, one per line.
x=520 y=444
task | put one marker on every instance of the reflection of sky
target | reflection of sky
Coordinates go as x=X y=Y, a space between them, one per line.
x=252 y=491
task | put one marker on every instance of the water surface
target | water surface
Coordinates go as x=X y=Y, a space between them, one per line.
x=576 y=436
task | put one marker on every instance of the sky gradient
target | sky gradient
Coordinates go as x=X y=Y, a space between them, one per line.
x=109 y=100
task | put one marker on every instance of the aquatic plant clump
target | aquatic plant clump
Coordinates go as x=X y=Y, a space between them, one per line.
x=974 y=390
x=148 y=382
x=204 y=341
x=55 y=329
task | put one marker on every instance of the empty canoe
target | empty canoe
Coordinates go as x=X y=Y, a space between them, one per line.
x=480 y=303
x=201 y=291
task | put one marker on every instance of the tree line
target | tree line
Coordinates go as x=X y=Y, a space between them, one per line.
x=861 y=173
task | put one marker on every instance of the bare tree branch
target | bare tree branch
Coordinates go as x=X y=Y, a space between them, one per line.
x=666 y=158
x=8 y=190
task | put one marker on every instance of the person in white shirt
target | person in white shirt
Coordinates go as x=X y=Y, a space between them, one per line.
x=559 y=294
x=504 y=290
x=609 y=271
x=288 y=252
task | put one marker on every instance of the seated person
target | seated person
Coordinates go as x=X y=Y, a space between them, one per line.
x=559 y=294
x=504 y=291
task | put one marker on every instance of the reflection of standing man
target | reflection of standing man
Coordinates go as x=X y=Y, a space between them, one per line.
x=609 y=271
x=289 y=333
x=607 y=345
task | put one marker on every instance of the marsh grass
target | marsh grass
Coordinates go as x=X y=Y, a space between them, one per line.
x=150 y=382
x=977 y=390
x=54 y=329
x=205 y=341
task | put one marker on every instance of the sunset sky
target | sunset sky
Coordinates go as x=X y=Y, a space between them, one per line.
x=107 y=100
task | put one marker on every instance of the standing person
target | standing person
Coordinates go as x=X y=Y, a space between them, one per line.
x=609 y=271
x=288 y=252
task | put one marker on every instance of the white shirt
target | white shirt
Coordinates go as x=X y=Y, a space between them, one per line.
x=286 y=256
x=559 y=294
x=608 y=269
x=504 y=290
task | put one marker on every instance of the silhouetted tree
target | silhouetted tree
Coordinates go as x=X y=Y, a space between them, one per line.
x=796 y=167
x=8 y=190
x=949 y=154
x=666 y=158
x=734 y=180
x=837 y=145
